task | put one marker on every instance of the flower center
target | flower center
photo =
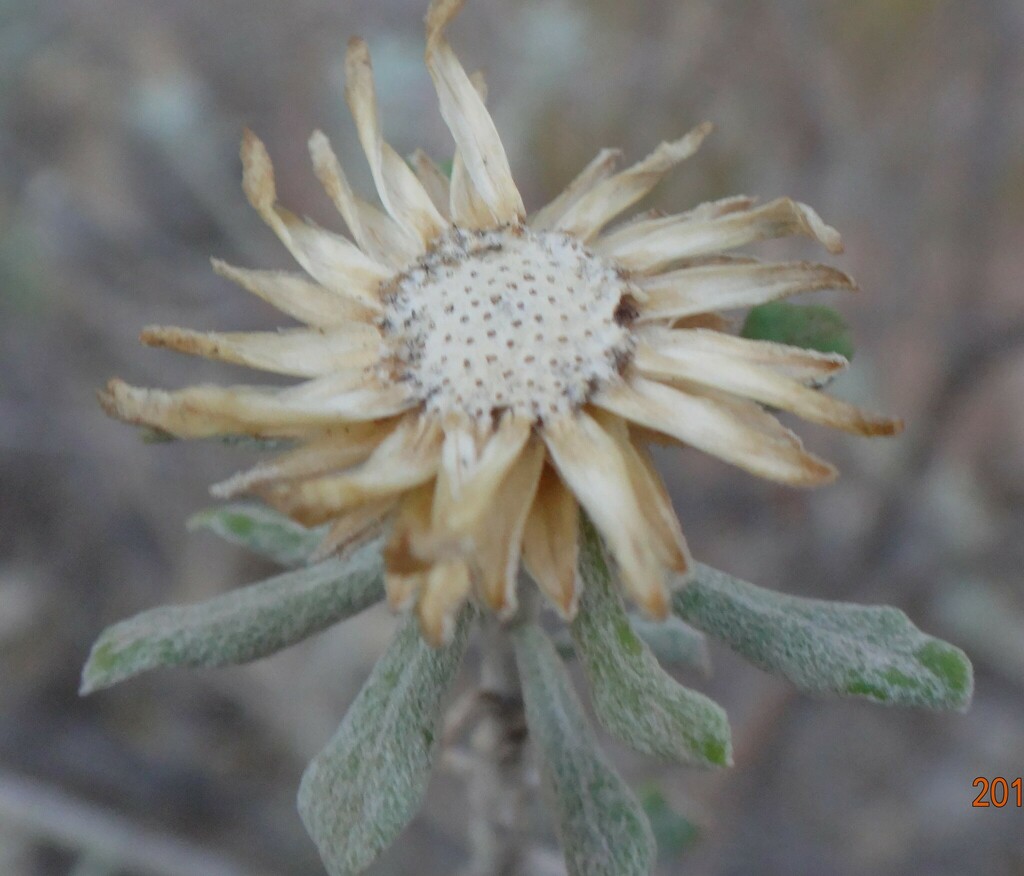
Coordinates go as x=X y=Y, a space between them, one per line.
x=508 y=319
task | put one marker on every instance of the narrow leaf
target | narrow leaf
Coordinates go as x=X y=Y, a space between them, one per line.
x=829 y=647
x=634 y=698
x=671 y=641
x=360 y=791
x=261 y=530
x=156 y=435
x=811 y=326
x=674 y=642
x=239 y=626
x=599 y=821
x=250 y=442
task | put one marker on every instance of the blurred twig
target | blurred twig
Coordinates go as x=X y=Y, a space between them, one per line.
x=497 y=773
x=968 y=368
x=57 y=817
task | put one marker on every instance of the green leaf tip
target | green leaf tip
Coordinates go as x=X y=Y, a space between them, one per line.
x=359 y=793
x=811 y=326
x=600 y=823
x=830 y=648
x=239 y=626
x=261 y=530
x=634 y=699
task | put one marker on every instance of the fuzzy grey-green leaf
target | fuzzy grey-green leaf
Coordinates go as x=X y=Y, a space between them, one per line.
x=359 y=793
x=262 y=530
x=599 y=821
x=634 y=698
x=671 y=641
x=674 y=642
x=241 y=625
x=829 y=647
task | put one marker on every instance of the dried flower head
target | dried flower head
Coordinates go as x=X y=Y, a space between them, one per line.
x=472 y=375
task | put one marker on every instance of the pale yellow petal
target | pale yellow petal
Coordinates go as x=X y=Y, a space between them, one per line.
x=400 y=191
x=442 y=595
x=402 y=590
x=348 y=396
x=468 y=209
x=468 y=120
x=376 y=233
x=650 y=246
x=433 y=180
x=497 y=538
x=653 y=498
x=808 y=366
x=405 y=459
x=714 y=209
x=353 y=529
x=551 y=543
x=345 y=446
x=747 y=412
x=301 y=299
x=599 y=168
x=697 y=290
x=264 y=412
x=703 y=423
x=714 y=321
x=606 y=200
x=295 y=352
x=328 y=258
x=473 y=467
x=762 y=385
x=405 y=568
x=591 y=464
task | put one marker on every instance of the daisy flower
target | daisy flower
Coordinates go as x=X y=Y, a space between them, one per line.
x=473 y=375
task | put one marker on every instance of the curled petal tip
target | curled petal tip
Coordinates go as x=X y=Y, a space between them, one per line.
x=400 y=595
x=257 y=172
x=821 y=473
x=155 y=335
x=886 y=426
x=357 y=56
x=105 y=397
x=568 y=605
x=439 y=16
x=656 y=604
x=318 y=140
x=437 y=630
x=113 y=398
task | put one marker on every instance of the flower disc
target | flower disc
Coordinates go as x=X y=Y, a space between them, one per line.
x=508 y=319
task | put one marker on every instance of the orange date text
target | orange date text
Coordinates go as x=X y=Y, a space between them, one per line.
x=998 y=792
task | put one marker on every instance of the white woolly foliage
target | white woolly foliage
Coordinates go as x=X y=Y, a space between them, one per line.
x=829 y=647
x=239 y=626
x=601 y=826
x=359 y=793
x=634 y=698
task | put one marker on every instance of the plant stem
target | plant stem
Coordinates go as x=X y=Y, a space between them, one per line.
x=497 y=785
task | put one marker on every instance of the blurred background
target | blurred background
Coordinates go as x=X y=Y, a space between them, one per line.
x=901 y=121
